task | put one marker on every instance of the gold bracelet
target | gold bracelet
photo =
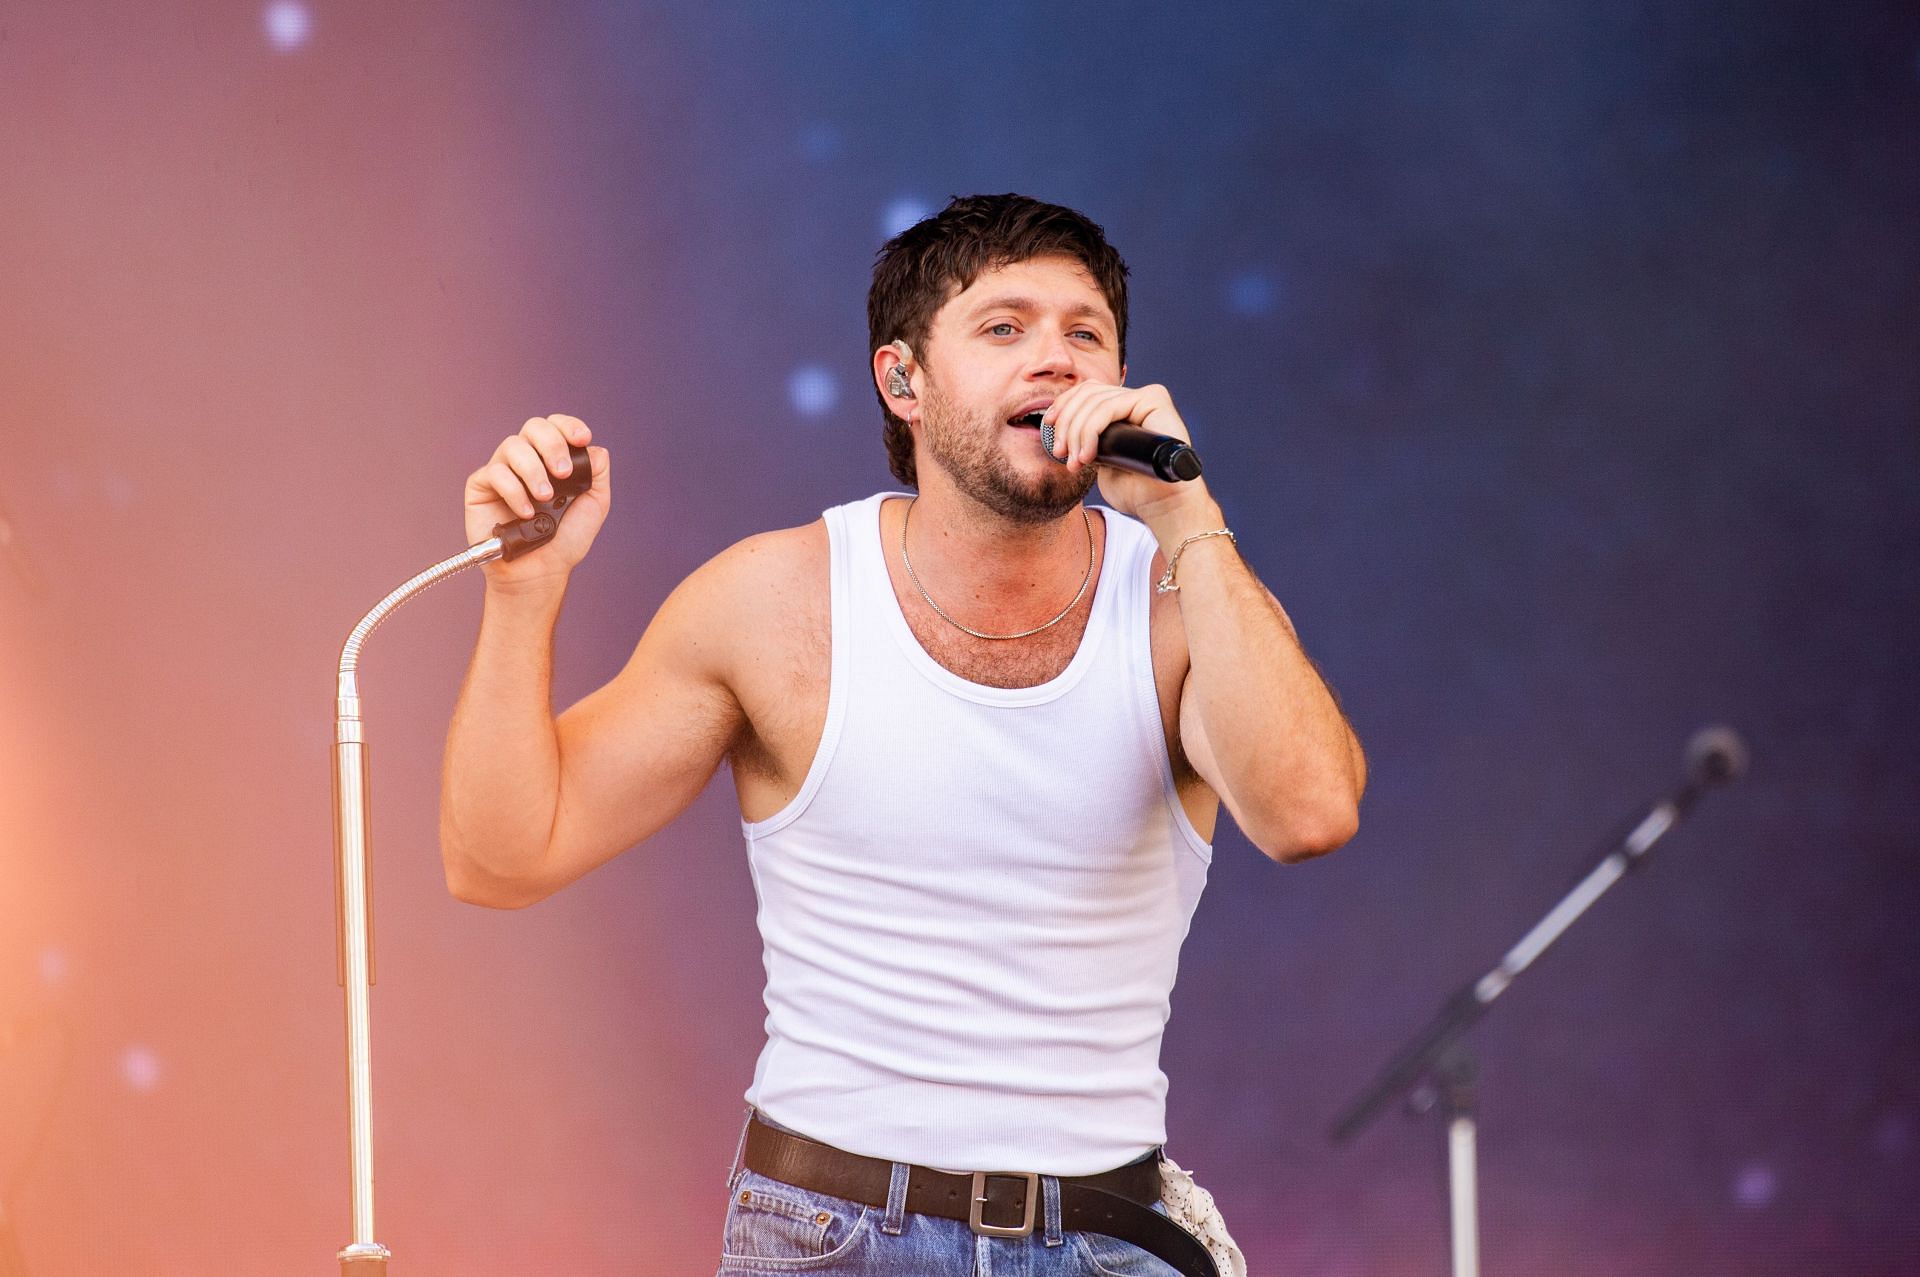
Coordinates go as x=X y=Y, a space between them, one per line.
x=1166 y=585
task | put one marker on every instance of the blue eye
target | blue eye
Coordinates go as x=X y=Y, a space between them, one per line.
x=997 y=327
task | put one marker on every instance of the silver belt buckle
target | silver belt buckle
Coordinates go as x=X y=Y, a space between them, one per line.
x=979 y=1194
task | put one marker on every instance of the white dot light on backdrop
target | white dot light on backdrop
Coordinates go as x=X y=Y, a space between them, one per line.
x=1755 y=1185
x=53 y=966
x=141 y=1067
x=812 y=390
x=902 y=213
x=287 y=23
x=1251 y=294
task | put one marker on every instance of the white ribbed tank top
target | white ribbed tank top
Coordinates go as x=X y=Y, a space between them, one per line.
x=972 y=911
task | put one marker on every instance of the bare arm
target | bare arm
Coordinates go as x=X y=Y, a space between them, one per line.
x=499 y=781
x=528 y=803
x=1256 y=720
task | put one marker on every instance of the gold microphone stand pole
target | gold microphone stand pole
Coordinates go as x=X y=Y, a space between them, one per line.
x=352 y=840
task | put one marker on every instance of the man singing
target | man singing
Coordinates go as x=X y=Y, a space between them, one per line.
x=979 y=751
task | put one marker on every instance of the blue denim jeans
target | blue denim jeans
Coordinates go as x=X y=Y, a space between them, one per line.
x=773 y=1227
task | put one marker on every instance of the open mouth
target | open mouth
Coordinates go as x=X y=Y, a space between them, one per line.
x=1029 y=421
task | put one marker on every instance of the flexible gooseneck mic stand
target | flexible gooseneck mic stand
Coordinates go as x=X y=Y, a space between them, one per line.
x=352 y=838
x=1435 y=1064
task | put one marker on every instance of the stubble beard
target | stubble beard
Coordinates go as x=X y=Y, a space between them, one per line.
x=970 y=450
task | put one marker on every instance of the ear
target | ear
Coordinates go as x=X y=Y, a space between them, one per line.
x=895 y=354
x=1123 y=374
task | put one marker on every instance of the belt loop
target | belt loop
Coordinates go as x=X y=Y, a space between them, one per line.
x=896 y=1200
x=733 y=1170
x=1050 y=1198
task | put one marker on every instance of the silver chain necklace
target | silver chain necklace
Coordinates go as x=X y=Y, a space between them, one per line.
x=915 y=578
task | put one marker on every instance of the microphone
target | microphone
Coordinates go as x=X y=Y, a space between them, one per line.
x=1715 y=756
x=1132 y=448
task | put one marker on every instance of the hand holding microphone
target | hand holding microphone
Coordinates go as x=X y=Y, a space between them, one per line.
x=1121 y=442
x=545 y=469
x=1113 y=426
x=1132 y=448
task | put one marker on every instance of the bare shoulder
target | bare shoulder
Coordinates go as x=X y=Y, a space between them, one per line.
x=787 y=565
x=761 y=592
x=774 y=604
x=770 y=559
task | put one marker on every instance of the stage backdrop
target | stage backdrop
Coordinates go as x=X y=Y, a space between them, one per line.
x=1555 y=363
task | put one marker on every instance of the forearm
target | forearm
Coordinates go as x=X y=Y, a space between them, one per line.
x=1290 y=767
x=500 y=784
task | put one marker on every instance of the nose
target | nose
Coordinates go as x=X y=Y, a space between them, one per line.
x=1053 y=357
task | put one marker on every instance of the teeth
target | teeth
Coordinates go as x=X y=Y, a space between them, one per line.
x=1031 y=419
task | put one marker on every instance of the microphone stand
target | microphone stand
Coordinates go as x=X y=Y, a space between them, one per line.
x=353 y=901
x=1435 y=1064
x=352 y=838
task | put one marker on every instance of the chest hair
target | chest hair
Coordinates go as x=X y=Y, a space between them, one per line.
x=1023 y=662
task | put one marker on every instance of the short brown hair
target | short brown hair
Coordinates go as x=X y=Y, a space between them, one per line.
x=920 y=268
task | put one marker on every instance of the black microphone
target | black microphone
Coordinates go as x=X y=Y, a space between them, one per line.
x=1715 y=756
x=1132 y=448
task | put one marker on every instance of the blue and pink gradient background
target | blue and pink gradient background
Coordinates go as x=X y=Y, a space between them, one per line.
x=1556 y=364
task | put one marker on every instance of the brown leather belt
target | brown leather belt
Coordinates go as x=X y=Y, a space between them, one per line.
x=1115 y=1203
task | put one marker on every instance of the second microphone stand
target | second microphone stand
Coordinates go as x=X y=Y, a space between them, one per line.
x=1435 y=1065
